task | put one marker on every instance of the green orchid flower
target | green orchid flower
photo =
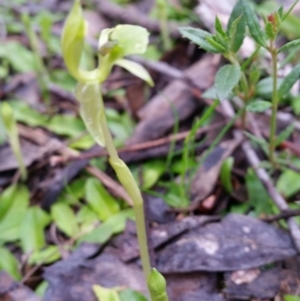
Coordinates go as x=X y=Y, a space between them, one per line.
x=114 y=44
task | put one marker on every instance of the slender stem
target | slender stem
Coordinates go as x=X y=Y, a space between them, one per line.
x=109 y=144
x=274 y=107
x=142 y=238
x=246 y=98
x=127 y=180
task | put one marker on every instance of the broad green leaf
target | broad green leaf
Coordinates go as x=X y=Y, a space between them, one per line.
x=289 y=81
x=198 y=36
x=24 y=113
x=48 y=255
x=226 y=79
x=64 y=218
x=264 y=87
x=19 y=57
x=100 y=200
x=257 y=194
x=136 y=69
x=130 y=295
x=284 y=135
x=9 y=263
x=7 y=198
x=105 y=294
x=258 y=106
x=152 y=171
x=32 y=229
x=253 y=24
x=236 y=27
x=113 y=225
x=11 y=221
x=86 y=217
x=289 y=182
x=72 y=125
x=91 y=109
x=225 y=174
x=291 y=298
x=289 y=45
x=41 y=289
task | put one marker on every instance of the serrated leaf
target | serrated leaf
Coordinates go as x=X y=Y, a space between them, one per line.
x=32 y=229
x=198 y=36
x=289 y=45
x=215 y=44
x=253 y=24
x=258 y=106
x=284 y=135
x=9 y=263
x=236 y=27
x=136 y=69
x=105 y=294
x=219 y=27
x=226 y=79
x=289 y=81
x=100 y=200
x=64 y=218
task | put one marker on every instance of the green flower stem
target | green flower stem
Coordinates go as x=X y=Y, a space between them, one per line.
x=127 y=180
x=274 y=107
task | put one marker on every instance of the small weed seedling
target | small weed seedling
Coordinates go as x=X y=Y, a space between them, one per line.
x=10 y=124
x=114 y=44
x=241 y=78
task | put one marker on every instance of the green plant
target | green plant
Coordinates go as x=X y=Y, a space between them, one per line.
x=114 y=44
x=10 y=124
x=241 y=78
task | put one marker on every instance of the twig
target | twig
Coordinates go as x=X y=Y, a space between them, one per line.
x=283 y=215
x=140 y=146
